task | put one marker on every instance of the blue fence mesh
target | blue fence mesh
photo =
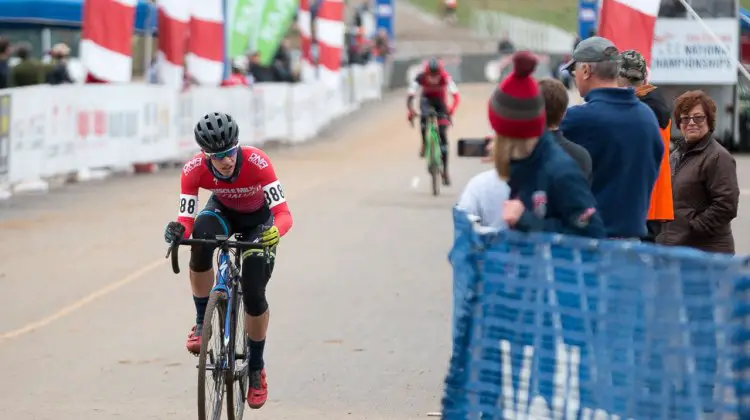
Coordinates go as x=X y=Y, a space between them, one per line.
x=548 y=326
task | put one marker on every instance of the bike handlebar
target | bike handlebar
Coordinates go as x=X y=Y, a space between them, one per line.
x=435 y=114
x=219 y=242
x=438 y=115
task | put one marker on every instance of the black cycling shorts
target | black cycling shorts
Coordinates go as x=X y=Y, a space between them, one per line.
x=216 y=219
x=436 y=103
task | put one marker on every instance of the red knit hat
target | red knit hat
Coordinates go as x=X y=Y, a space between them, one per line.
x=516 y=108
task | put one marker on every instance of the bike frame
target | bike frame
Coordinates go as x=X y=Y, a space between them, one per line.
x=226 y=282
x=226 y=279
x=433 y=153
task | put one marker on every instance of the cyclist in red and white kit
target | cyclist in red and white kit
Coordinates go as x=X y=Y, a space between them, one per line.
x=247 y=200
x=434 y=82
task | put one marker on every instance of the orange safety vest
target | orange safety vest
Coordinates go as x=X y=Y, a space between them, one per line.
x=662 y=205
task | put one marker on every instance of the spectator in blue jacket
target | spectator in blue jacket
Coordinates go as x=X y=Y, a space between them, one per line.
x=621 y=134
x=548 y=191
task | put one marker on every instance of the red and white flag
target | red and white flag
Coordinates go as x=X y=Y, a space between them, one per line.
x=106 y=35
x=329 y=32
x=629 y=24
x=174 y=16
x=205 y=58
x=191 y=32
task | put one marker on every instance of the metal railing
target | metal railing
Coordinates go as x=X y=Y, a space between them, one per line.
x=524 y=33
x=411 y=48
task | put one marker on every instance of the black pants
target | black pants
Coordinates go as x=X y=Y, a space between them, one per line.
x=425 y=105
x=653 y=228
x=215 y=219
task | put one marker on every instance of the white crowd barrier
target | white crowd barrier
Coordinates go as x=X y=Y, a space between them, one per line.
x=524 y=33
x=76 y=132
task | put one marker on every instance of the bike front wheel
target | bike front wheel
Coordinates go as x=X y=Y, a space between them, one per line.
x=237 y=375
x=213 y=359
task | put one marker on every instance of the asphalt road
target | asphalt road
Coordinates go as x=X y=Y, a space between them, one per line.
x=93 y=321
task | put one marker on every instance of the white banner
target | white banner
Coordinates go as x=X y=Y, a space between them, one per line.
x=48 y=131
x=684 y=53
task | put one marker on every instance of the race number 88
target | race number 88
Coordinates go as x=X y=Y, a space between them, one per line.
x=274 y=194
x=187 y=204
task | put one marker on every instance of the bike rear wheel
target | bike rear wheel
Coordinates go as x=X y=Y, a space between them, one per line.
x=212 y=360
x=237 y=376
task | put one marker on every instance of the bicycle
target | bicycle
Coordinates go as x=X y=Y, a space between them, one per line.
x=432 y=151
x=227 y=364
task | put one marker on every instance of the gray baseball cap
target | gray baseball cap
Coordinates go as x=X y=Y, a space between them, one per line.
x=593 y=50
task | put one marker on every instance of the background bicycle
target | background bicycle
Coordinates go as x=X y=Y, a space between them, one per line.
x=433 y=148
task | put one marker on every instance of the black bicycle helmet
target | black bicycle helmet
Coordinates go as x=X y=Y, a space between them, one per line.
x=216 y=132
x=433 y=66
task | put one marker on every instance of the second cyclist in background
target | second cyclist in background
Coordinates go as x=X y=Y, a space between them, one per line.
x=434 y=83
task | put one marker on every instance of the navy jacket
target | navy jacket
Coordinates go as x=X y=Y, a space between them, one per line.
x=555 y=192
x=622 y=135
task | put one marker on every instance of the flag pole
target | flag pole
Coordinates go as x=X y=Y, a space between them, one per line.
x=149 y=41
x=227 y=64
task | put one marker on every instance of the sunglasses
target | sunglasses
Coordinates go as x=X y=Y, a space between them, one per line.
x=698 y=119
x=221 y=155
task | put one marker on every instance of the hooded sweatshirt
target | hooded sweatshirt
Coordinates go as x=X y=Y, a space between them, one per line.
x=554 y=191
x=622 y=135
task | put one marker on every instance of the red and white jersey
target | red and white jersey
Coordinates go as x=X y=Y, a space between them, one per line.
x=433 y=87
x=256 y=185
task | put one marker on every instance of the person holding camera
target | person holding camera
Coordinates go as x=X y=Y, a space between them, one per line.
x=485 y=194
x=548 y=191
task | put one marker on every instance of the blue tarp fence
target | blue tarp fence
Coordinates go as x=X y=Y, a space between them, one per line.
x=65 y=13
x=556 y=327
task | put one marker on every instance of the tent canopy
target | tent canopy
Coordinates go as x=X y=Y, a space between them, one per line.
x=63 y=13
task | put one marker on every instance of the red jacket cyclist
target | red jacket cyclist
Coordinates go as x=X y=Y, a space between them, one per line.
x=248 y=200
x=434 y=83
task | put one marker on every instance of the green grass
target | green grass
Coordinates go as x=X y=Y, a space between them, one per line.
x=561 y=13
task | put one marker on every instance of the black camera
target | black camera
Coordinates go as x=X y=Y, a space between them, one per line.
x=473 y=147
